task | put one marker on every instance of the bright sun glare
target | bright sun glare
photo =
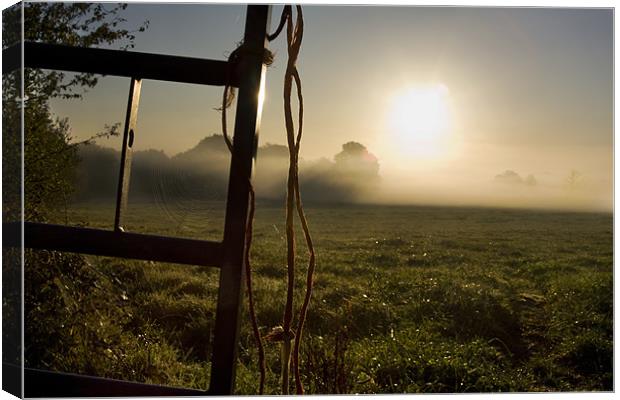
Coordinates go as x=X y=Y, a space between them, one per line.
x=419 y=119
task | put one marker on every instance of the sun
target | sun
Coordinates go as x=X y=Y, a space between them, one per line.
x=419 y=119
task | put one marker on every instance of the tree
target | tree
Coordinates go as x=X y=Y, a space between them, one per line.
x=49 y=159
x=356 y=167
x=574 y=179
x=73 y=24
x=531 y=180
x=510 y=177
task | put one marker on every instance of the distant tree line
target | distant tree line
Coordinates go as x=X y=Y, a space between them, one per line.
x=513 y=178
x=201 y=173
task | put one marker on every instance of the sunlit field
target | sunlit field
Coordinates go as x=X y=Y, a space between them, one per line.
x=406 y=299
x=457 y=180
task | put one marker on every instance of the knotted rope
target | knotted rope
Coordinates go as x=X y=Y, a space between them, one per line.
x=294 y=35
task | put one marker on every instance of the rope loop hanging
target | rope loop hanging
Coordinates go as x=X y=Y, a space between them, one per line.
x=284 y=333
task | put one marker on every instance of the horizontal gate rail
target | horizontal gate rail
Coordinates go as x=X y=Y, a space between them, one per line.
x=113 y=244
x=40 y=383
x=118 y=63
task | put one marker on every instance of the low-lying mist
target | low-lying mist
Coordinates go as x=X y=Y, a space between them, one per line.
x=201 y=173
x=351 y=176
x=491 y=192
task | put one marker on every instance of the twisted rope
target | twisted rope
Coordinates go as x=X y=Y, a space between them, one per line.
x=294 y=39
x=294 y=35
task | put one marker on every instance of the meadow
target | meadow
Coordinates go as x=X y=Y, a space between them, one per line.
x=406 y=299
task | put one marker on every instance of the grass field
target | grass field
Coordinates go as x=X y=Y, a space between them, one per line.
x=406 y=299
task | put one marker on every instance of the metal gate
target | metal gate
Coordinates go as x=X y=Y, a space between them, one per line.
x=226 y=255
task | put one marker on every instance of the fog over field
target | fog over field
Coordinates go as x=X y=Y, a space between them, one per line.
x=456 y=174
x=448 y=99
x=354 y=175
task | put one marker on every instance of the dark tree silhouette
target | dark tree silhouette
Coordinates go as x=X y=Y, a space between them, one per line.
x=49 y=156
x=58 y=287
x=355 y=161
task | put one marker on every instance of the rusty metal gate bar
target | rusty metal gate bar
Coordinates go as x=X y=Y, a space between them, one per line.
x=227 y=255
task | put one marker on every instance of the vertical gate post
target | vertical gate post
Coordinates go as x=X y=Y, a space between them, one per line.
x=247 y=120
x=131 y=119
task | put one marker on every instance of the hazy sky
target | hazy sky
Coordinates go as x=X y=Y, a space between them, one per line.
x=520 y=89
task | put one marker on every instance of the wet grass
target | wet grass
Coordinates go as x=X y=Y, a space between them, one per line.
x=406 y=299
